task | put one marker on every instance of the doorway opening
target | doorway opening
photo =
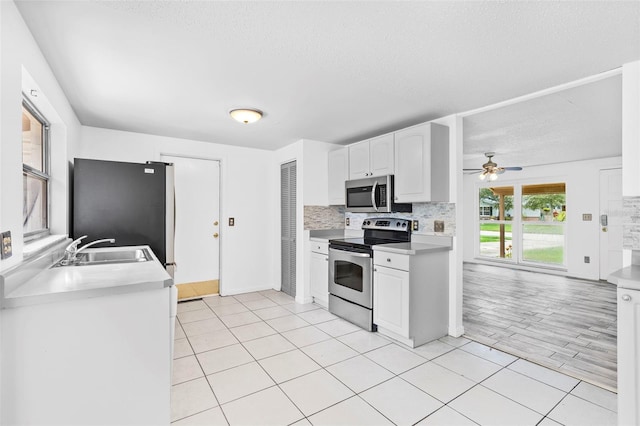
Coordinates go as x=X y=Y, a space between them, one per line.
x=197 y=226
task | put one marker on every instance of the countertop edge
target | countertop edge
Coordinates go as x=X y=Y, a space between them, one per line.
x=410 y=248
x=628 y=273
x=39 y=299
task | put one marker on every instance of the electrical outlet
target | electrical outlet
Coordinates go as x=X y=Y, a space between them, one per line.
x=346 y=221
x=587 y=259
x=415 y=225
x=7 y=249
x=232 y=221
x=438 y=225
x=586 y=217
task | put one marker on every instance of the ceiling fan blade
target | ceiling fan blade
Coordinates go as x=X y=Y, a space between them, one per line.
x=512 y=168
x=471 y=171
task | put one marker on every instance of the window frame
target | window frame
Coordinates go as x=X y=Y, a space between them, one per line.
x=43 y=175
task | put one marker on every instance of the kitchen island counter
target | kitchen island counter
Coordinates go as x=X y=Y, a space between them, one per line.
x=38 y=282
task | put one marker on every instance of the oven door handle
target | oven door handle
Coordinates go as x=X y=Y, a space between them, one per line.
x=350 y=253
x=373 y=196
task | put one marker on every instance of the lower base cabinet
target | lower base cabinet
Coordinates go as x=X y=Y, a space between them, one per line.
x=391 y=300
x=628 y=356
x=319 y=270
x=410 y=296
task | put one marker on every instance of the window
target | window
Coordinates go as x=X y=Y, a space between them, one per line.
x=485 y=211
x=527 y=225
x=35 y=172
x=543 y=219
x=496 y=238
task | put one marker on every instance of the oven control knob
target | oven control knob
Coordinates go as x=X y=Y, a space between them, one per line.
x=398 y=224
x=404 y=225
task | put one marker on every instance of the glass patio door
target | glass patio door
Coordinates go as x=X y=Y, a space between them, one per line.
x=523 y=224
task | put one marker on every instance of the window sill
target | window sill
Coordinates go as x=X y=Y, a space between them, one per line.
x=35 y=247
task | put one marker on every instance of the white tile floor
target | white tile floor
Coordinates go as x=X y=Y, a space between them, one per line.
x=262 y=359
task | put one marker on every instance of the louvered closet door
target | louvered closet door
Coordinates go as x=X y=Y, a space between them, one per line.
x=288 y=227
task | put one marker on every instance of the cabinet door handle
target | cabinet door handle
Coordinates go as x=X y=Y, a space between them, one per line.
x=375 y=269
x=626 y=297
x=388 y=259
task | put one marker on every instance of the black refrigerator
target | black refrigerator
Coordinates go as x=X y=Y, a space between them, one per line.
x=131 y=202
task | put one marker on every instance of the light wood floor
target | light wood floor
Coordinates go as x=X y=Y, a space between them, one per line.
x=562 y=323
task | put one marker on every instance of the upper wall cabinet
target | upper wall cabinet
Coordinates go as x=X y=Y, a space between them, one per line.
x=338 y=173
x=422 y=164
x=373 y=157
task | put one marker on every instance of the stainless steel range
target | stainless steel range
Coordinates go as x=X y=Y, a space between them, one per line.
x=351 y=268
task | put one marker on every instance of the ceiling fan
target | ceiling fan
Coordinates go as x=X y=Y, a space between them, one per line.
x=490 y=170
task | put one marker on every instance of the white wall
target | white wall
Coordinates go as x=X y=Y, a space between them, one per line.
x=583 y=187
x=631 y=129
x=23 y=63
x=246 y=193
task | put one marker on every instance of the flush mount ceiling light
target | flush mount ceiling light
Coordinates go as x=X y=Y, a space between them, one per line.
x=246 y=115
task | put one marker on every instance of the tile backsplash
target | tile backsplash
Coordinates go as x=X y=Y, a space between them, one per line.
x=333 y=217
x=424 y=213
x=631 y=223
x=323 y=217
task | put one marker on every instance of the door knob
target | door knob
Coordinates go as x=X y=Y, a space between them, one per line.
x=215 y=223
x=215 y=235
x=626 y=297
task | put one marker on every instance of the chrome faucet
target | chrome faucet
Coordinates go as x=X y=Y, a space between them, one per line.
x=72 y=249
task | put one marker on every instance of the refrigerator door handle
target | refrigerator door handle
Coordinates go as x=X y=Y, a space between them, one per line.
x=170 y=210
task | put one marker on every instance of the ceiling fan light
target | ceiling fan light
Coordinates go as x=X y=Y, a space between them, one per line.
x=246 y=115
x=483 y=175
x=493 y=176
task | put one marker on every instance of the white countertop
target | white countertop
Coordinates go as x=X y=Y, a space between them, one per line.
x=410 y=248
x=628 y=277
x=78 y=282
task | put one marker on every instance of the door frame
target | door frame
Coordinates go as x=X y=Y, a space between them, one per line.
x=220 y=204
x=601 y=236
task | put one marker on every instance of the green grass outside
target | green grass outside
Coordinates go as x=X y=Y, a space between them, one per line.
x=530 y=229
x=492 y=239
x=553 y=255
x=494 y=227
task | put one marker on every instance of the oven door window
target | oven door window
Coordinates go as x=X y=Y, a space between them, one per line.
x=348 y=274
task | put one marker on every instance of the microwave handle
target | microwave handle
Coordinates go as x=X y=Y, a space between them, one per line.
x=373 y=196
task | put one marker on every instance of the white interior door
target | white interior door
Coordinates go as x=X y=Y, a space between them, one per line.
x=610 y=221
x=197 y=240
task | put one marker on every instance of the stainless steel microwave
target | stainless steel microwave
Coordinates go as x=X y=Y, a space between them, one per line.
x=372 y=195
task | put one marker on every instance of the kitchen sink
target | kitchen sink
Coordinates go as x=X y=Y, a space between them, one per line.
x=107 y=257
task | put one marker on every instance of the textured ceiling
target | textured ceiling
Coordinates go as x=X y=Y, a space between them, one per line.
x=580 y=123
x=329 y=71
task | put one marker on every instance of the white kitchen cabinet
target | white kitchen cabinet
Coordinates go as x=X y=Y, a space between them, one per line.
x=338 y=174
x=319 y=272
x=373 y=157
x=410 y=295
x=421 y=163
x=391 y=300
x=628 y=356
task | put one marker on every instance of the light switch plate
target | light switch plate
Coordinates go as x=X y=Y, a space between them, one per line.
x=7 y=249
x=587 y=217
x=438 y=225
